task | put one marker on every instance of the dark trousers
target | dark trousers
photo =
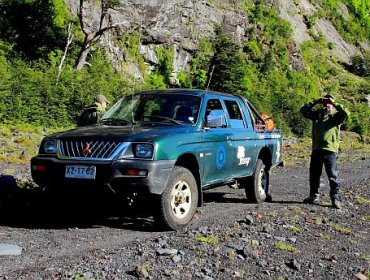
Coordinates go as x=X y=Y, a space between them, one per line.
x=329 y=160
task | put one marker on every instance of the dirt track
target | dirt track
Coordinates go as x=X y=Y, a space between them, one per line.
x=92 y=238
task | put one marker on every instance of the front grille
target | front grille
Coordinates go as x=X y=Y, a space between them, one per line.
x=95 y=149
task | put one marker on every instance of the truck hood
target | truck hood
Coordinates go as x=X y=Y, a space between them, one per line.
x=138 y=132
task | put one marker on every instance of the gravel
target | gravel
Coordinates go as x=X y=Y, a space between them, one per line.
x=93 y=237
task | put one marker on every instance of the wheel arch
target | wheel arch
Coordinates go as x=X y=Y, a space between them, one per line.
x=190 y=162
x=266 y=157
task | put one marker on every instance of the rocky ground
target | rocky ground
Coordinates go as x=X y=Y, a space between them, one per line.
x=90 y=237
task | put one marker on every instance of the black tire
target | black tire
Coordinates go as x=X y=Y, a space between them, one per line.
x=179 y=200
x=256 y=187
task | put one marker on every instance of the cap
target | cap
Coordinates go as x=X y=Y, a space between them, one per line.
x=329 y=97
x=100 y=98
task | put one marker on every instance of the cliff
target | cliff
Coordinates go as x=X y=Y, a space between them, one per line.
x=181 y=23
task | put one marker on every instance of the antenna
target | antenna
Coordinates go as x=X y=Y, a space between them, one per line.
x=210 y=77
x=134 y=84
x=137 y=56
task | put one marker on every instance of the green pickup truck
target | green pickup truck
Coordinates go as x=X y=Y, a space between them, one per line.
x=169 y=145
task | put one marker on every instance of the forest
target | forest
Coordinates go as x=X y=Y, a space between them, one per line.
x=42 y=83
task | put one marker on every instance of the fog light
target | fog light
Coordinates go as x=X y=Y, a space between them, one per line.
x=41 y=168
x=134 y=172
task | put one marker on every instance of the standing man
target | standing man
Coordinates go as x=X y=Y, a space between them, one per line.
x=326 y=122
x=92 y=114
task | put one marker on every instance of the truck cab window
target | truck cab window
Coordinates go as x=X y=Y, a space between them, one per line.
x=235 y=115
x=215 y=117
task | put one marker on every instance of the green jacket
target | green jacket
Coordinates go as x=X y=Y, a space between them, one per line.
x=91 y=115
x=325 y=126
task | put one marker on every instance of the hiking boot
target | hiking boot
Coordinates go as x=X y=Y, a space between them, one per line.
x=312 y=200
x=336 y=204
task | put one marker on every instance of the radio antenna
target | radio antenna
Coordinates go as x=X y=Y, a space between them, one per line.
x=210 y=77
x=137 y=56
x=134 y=84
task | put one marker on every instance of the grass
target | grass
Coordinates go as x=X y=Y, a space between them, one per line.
x=361 y=200
x=339 y=228
x=286 y=247
x=325 y=203
x=352 y=147
x=326 y=236
x=352 y=241
x=318 y=220
x=212 y=239
x=272 y=214
x=295 y=229
x=20 y=142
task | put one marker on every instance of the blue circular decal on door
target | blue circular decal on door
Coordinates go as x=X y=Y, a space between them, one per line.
x=220 y=157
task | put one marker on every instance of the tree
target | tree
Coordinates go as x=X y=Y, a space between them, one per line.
x=93 y=34
x=228 y=65
x=31 y=27
x=361 y=65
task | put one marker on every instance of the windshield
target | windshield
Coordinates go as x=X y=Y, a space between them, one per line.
x=155 y=107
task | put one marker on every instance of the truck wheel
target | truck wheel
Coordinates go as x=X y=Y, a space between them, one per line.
x=256 y=188
x=179 y=200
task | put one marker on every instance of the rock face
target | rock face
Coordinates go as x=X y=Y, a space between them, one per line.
x=296 y=13
x=181 y=23
x=291 y=12
x=171 y=23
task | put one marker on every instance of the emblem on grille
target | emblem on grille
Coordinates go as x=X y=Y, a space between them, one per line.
x=86 y=149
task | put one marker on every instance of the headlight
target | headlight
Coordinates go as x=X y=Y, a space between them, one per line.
x=143 y=150
x=49 y=147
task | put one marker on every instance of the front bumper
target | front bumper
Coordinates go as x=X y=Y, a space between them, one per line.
x=49 y=172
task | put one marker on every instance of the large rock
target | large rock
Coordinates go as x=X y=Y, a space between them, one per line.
x=179 y=24
x=297 y=13
x=172 y=23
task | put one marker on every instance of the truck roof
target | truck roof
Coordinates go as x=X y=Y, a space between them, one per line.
x=198 y=92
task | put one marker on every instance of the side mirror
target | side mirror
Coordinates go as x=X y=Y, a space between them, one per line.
x=216 y=119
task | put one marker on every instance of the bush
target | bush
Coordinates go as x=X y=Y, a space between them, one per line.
x=227 y=64
x=32 y=94
x=361 y=65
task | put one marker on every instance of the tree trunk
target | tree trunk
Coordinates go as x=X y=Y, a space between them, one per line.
x=91 y=37
x=81 y=60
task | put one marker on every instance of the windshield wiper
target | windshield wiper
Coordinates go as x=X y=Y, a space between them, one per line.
x=168 y=119
x=114 y=121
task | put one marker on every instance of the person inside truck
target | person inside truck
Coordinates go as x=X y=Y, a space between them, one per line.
x=326 y=122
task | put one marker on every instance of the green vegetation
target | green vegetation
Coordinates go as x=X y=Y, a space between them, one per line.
x=318 y=220
x=354 y=26
x=295 y=229
x=352 y=241
x=227 y=64
x=20 y=141
x=361 y=200
x=165 y=62
x=286 y=247
x=326 y=236
x=212 y=239
x=35 y=89
x=30 y=93
x=339 y=228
